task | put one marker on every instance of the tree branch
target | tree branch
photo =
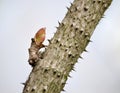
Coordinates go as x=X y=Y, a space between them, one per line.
x=49 y=75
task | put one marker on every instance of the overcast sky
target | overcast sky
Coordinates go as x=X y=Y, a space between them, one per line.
x=98 y=72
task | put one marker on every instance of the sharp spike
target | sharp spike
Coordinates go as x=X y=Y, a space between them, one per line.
x=69 y=76
x=89 y=40
x=63 y=90
x=49 y=41
x=80 y=57
x=56 y=27
x=23 y=83
x=85 y=50
x=71 y=4
x=103 y=16
x=64 y=83
x=68 y=8
x=86 y=34
x=58 y=22
x=74 y=69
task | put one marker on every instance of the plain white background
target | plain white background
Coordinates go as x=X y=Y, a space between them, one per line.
x=98 y=72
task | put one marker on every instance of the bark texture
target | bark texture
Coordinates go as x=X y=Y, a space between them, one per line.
x=71 y=38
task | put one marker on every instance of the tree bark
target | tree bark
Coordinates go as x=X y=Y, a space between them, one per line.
x=71 y=38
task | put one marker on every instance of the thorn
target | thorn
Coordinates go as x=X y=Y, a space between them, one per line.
x=68 y=8
x=76 y=8
x=103 y=16
x=81 y=30
x=86 y=8
x=94 y=1
x=34 y=88
x=63 y=90
x=85 y=50
x=49 y=41
x=89 y=40
x=71 y=4
x=23 y=83
x=73 y=24
x=80 y=57
x=45 y=45
x=86 y=34
x=99 y=1
x=58 y=22
x=74 y=69
x=72 y=64
x=46 y=70
x=54 y=72
x=69 y=76
x=44 y=89
x=76 y=28
x=58 y=75
x=69 y=55
x=64 y=83
x=56 y=27
x=63 y=23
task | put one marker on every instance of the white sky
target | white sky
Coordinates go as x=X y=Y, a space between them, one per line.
x=98 y=72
